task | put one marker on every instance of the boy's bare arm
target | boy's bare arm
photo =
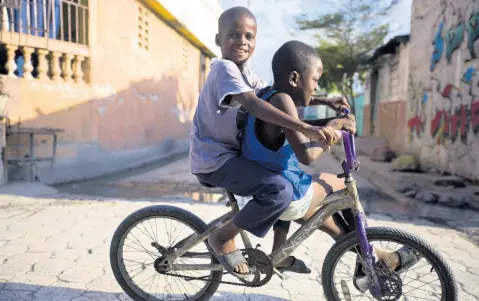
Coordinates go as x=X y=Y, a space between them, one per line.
x=268 y=113
x=319 y=122
x=335 y=103
x=306 y=150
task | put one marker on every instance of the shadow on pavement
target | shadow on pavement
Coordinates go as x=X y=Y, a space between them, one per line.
x=11 y=291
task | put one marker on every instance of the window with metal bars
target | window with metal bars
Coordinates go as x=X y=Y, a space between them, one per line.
x=64 y=20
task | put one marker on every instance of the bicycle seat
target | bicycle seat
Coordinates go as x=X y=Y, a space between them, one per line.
x=206 y=184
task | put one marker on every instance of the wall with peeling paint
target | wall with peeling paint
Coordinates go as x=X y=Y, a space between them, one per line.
x=443 y=92
x=138 y=103
x=385 y=103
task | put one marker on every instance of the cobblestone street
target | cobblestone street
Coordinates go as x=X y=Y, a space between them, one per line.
x=56 y=247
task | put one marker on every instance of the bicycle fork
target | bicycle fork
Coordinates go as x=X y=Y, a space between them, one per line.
x=367 y=253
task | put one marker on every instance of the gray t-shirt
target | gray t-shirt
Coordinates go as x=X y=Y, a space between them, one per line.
x=214 y=132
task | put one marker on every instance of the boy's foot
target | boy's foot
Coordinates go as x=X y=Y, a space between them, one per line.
x=293 y=264
x=399 y=261
x=231 y=258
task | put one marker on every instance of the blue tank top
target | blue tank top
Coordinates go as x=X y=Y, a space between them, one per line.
x=282 y=161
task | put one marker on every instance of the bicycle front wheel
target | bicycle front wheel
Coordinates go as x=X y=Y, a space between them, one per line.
x=430 y=278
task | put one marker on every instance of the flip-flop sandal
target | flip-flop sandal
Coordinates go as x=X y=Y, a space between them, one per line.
x=231 y=260
x=298 y=266
x=408 y=258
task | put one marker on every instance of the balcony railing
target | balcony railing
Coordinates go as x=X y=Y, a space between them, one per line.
x=45 y=39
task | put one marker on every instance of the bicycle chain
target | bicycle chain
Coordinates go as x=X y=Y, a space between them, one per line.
x=190 y=278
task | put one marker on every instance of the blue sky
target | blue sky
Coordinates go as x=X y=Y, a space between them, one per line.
x=276 y=25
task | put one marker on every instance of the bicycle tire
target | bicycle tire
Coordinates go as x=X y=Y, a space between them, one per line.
x=345 y=243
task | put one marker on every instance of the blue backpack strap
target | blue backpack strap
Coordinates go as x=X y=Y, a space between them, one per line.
x=263 y=91
x=267 y=94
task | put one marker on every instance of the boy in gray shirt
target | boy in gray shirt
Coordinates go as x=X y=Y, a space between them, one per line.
x=215 y=156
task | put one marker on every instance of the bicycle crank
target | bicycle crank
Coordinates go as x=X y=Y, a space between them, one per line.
x=257 y=261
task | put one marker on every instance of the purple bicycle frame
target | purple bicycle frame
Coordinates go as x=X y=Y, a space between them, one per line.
x=369 y=259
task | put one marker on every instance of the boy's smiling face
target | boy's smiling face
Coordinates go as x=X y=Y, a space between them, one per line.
x=237 y=39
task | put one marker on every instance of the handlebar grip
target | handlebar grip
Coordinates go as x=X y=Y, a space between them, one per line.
x=345 y=111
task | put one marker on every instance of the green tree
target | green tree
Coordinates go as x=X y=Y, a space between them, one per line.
x=347 y=39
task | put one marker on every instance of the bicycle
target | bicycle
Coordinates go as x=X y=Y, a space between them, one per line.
x=175 y=260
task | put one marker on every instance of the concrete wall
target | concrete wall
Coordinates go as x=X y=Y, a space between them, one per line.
x=137 y=105
x=443 y=104
x=384 y=116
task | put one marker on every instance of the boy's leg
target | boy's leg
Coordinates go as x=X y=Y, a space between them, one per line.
x=334 y=226
x=323 y=185
x=281 y=230
x=290 y=263
x=271 y=193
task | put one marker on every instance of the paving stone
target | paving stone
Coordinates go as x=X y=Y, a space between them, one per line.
x=6 y=295
x=12 y=249
x=53 y=266
x=105 y=283
x=96 y=296
x=9 y=270
x=72 y=254
x=57 y=293
x=28 y=257
x=30 y=282
x=124 y=297
x=80 y=275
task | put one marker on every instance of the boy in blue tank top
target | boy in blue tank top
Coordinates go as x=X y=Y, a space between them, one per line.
x=296 y=70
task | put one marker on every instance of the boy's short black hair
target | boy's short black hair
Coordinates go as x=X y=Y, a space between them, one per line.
x=293 y=56
x=233 y=13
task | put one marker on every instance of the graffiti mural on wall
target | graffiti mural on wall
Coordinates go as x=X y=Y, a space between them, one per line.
x=450 y=37
x=453 y=126
x=472 y=28
x=454 y=109
x=419 y=98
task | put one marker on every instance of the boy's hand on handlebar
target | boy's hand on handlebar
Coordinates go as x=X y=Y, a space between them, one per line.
x=326 y=134
x=336 y=136
x=314 y=133
x=347 y=123
x=350 y=117
x=338 y=103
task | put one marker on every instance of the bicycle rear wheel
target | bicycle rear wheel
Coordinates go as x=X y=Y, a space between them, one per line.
x=416 y=283
x=132 y=256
